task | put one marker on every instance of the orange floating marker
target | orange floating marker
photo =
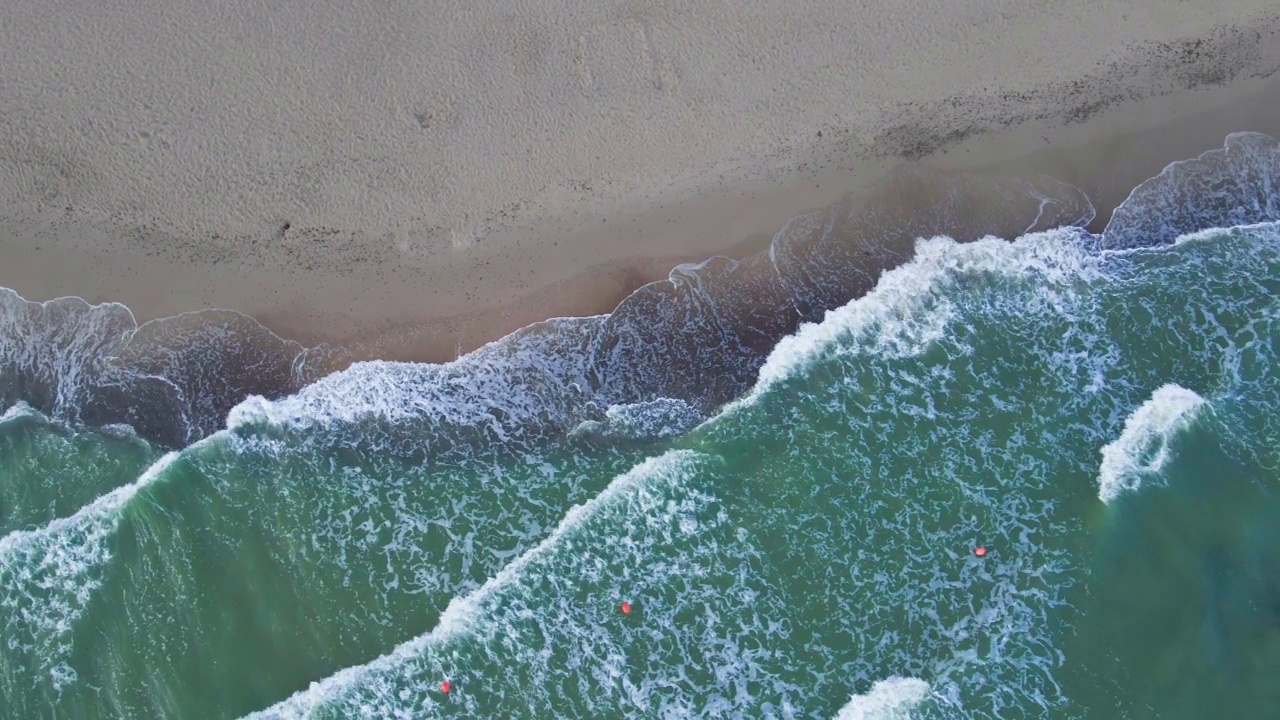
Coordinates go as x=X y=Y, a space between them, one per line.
x=444 y=687
x=979 y=551
x=626 y=608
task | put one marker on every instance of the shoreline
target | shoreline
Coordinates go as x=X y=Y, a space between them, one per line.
x=394 y=302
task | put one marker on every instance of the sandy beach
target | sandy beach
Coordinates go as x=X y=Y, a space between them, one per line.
x=438 y=174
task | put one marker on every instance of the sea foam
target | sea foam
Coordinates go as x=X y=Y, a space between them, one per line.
x=889 y=699
x=909 y=309
x=19 y=409
x=1237 y=184
x=1143 y=446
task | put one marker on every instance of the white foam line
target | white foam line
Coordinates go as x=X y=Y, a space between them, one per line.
x=1044 y=202
x=393 y=389
x=888 y=699
x=898 y=301
x=1213 y=234
x=1143 y=445
x=1210 y=233
x=459 y=616
x=20 y=410
x=70 y=298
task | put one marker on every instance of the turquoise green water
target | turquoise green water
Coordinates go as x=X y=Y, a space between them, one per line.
x=813 y=539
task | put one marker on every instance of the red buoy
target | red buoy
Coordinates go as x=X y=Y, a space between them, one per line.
x=626 y=608
x=979 y=551
x=444 y=687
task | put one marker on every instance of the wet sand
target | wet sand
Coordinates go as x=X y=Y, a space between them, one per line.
x=374 y=178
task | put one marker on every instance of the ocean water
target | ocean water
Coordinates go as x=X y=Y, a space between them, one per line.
x=783 y=465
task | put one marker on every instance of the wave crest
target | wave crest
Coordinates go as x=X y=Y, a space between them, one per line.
x=889 y=699
x=1143 y=445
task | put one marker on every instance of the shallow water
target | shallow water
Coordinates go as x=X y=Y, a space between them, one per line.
x=1096 y=411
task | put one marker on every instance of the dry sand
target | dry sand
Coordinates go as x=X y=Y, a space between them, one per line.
x=448 y=171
